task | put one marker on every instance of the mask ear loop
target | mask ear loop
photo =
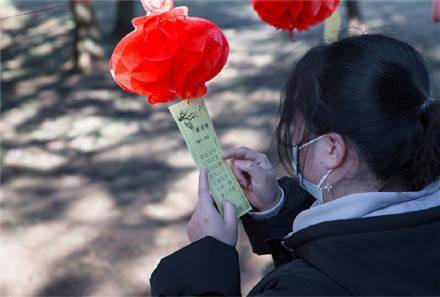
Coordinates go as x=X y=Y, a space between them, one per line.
x=312 y=141
x=328 y=187
x=298 y=167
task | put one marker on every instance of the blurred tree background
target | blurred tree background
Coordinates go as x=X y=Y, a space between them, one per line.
x=96 y=185
x=87 y=50
x=125 y=11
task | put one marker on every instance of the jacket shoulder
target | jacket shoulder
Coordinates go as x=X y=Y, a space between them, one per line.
x=297 y=278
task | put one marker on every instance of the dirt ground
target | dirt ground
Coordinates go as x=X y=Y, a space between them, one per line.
x=98 y=186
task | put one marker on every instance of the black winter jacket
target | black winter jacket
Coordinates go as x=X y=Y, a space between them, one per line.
x=382 y=255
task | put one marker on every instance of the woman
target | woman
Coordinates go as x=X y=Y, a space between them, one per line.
x=359 y=132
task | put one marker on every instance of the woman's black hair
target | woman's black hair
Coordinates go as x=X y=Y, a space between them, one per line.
x=375 y=91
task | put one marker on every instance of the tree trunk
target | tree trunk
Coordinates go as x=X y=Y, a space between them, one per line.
x=88 y=54
x=356 y=24
x=353 y=10
x=125 y=12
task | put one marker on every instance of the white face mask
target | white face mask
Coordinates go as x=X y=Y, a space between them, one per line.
x=314 y=190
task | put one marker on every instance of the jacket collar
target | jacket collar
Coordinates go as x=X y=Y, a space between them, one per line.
x=368 y=204
x=295 y=240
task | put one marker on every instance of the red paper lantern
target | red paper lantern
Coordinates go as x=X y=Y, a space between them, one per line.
x=169 y=55
x=294 y=14
x=436 y=10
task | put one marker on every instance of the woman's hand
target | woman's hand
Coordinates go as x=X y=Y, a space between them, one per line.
x=207 y=220
x=256 y=176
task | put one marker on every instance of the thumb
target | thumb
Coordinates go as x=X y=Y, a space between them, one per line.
x=203 y=191
x=229 y=213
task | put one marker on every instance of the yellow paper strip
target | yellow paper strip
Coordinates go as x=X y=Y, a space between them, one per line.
x=196 y=127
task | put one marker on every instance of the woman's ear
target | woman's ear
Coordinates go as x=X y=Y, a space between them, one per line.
x=336 y=150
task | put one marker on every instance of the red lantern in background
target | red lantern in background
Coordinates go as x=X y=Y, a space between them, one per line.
x=294 y=14
x=436 y=10
x=169 y=55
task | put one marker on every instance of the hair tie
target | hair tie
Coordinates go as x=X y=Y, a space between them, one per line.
x=427 y=103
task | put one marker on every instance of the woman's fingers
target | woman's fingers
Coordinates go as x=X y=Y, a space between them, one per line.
x=203 y=183
x=249 y=167
x=248 y=154
x=229 y=213
x=206 y=220
x=241 y=152
x=239 y=175
x=205 y=198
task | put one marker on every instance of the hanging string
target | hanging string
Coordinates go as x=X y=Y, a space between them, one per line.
x=45 y=9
